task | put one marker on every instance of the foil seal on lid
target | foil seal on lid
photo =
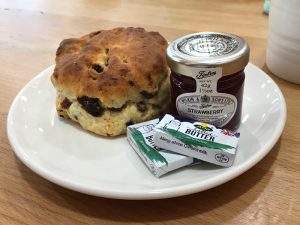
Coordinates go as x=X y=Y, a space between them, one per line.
x=207 y=50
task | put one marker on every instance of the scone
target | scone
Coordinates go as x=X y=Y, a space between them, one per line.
x=109 y=79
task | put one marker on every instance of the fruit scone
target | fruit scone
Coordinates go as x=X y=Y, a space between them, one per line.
x=109 y=79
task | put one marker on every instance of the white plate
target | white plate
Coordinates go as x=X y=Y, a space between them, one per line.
x=65 y=154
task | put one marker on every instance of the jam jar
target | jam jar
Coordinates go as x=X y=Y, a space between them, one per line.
x=207 y=77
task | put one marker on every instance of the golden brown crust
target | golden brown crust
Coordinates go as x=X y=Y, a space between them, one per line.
x=109 y=79
x=133 y=63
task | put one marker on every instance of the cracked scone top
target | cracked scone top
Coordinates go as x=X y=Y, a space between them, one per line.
x=109 y=79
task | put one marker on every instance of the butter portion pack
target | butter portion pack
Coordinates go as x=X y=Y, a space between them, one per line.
x=197 y=140
x=159 y=161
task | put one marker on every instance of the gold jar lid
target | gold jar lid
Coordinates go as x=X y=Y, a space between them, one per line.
x=207 y=50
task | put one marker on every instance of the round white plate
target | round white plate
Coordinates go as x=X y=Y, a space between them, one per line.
x=61 y=152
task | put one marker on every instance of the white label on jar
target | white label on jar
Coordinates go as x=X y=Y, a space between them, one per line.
x=206 y=104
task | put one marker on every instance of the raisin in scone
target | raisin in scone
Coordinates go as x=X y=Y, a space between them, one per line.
x=109 y=79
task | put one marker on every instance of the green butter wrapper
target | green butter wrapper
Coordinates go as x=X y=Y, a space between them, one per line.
x=198 y=140
x=159 y=161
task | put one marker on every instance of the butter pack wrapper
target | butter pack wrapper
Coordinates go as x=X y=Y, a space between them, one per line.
x=159 y=161
x=197 y=140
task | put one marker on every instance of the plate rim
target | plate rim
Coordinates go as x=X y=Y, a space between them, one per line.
x=142 y=195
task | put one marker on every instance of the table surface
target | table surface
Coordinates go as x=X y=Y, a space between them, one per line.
x=30 y=31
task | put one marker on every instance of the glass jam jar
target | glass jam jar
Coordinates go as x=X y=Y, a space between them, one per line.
x=207 y=77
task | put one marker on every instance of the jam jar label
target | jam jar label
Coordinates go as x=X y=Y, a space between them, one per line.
x=207 y=104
